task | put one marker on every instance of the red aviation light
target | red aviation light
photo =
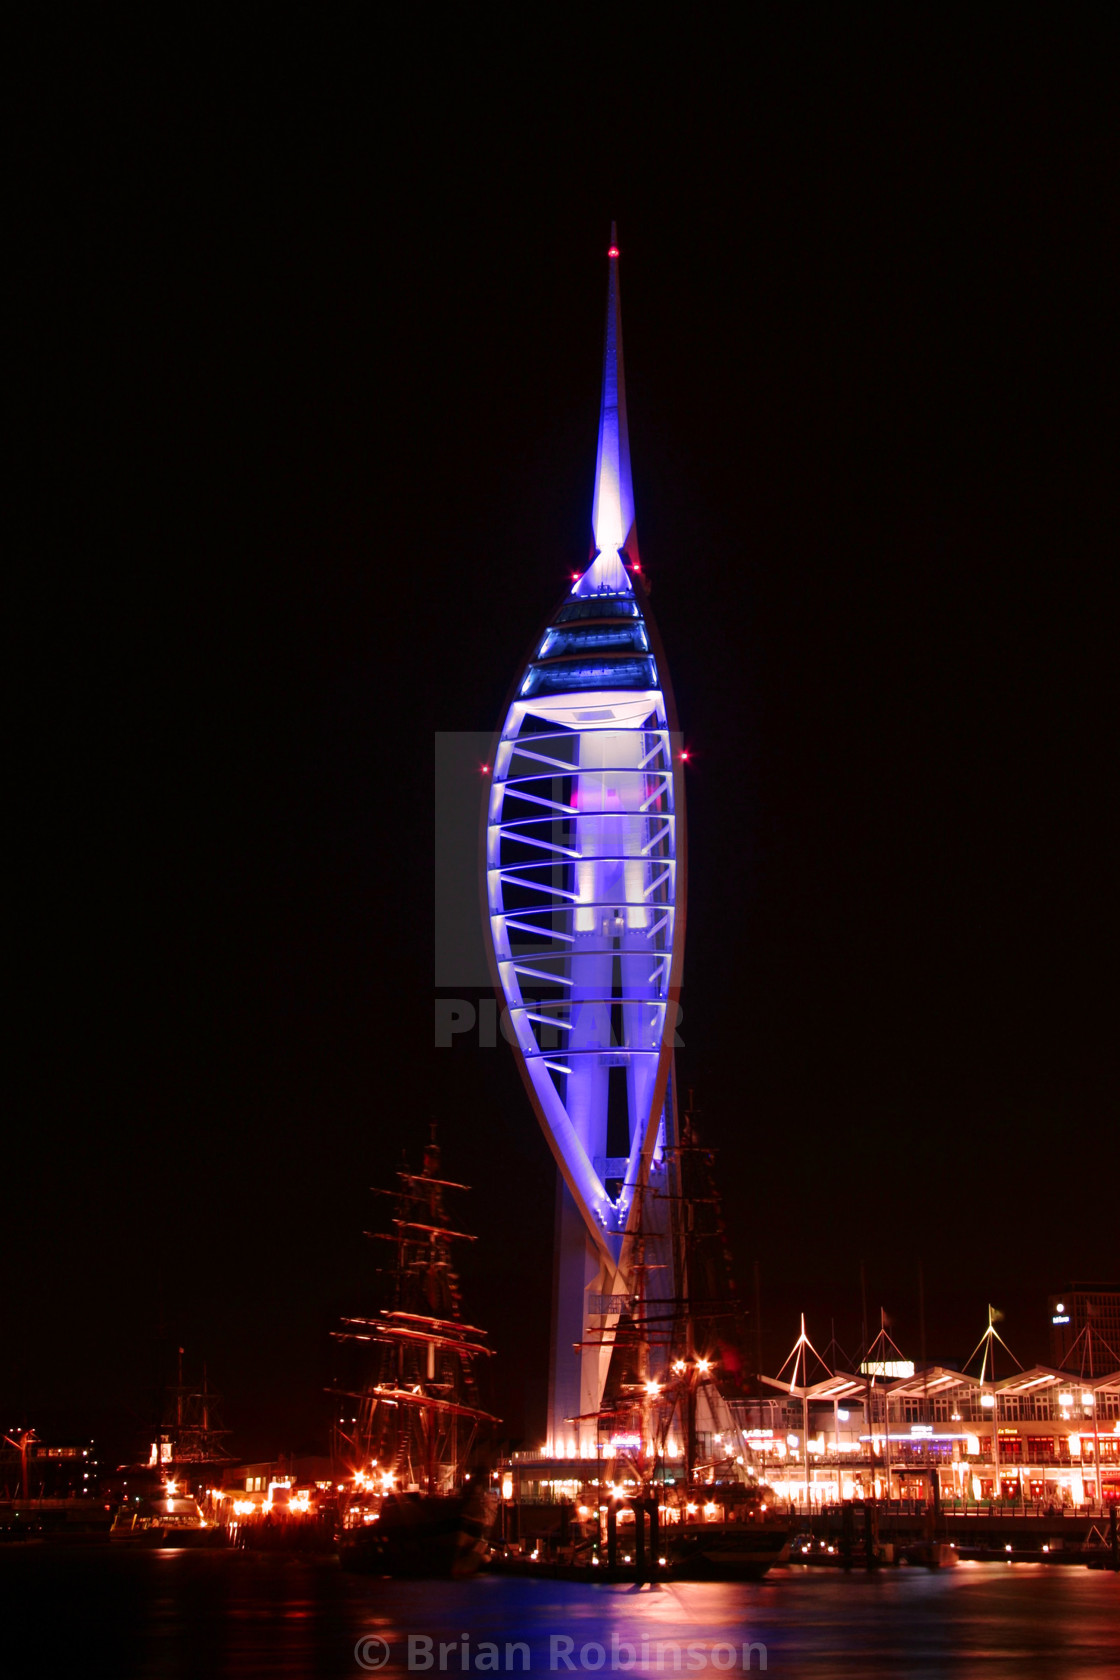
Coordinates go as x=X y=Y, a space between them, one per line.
x=613 y=252
x=485 y=769
x=684 y=756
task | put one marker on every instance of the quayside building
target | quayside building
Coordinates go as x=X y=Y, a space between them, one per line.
x=1040 y=1438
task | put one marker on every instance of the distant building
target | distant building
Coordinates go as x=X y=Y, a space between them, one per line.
x=46 y=1469
x=256 y=1479
x=1086 y=1306
x=277 y=1487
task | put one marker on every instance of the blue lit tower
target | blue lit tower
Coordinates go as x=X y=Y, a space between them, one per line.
x=585 y=893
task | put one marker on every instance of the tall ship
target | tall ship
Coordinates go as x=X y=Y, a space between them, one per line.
x=161 y=1498
x=191 y=1437
x=412 y=1504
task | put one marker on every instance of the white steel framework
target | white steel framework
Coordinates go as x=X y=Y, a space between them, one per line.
x=584 y=872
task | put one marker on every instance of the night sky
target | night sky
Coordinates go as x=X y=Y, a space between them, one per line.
x=308 y=333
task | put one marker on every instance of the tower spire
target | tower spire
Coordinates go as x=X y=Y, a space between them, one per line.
x=612 y=511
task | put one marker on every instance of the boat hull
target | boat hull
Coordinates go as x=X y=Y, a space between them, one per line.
x=421 y=1535
x=710 y=1552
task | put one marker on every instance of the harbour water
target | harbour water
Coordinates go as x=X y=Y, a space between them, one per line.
x=194 y=1615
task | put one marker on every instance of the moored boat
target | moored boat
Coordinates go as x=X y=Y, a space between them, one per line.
x=418 y=1534
x=169 y=1517
x=727 y=1551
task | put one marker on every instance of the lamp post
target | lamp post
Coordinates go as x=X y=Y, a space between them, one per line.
x=690 y=1372
x=1096 y=1443
x=21 y=1446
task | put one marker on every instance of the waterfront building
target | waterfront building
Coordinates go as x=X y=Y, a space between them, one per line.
x=1035 y=1439
x=37 y=1469
x=584 y=879
x=279 y=1487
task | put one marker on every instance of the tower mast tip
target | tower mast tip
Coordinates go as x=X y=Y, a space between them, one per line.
x=612 y=512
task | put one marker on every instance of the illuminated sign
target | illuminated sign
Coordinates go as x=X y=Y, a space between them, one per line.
x=925 y=1429
x=625 y=1443
x=907 y=1440
x=887 y=1368
x=1060 y=1318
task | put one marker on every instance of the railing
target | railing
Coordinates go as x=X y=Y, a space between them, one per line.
x=985 y=1508
x=612 y=1166
x=609 y=1303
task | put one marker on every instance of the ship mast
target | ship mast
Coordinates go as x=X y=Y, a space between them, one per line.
x=422 y=1388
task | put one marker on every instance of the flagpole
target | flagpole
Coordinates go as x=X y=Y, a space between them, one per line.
x=997 y=1486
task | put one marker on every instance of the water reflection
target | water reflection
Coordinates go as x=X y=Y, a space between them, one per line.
x=973 y=1620
x=181 y=1615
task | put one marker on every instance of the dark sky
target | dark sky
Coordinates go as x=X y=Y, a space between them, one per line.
x=307 y=342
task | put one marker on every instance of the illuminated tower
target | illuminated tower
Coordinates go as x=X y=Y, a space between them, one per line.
x=585 y=892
